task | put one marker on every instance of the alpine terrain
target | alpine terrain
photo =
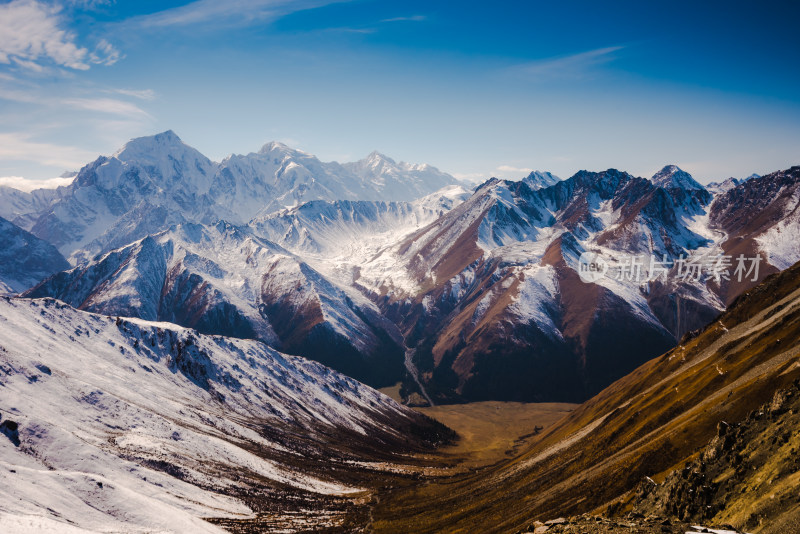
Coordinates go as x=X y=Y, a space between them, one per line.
x=460 y=295
x=192 y=346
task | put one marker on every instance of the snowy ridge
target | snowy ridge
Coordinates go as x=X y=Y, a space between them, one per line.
x=158 y=181
x=348 y=241
x=225 y=280
x=332 y=229
x=100 y=402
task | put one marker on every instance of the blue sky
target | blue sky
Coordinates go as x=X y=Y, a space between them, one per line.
x=476 y=88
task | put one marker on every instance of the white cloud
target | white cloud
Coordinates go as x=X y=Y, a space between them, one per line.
x=243 y=12
x=142 y=94
x=104 y=54
x=574 y=66
x=106 y=105
x=509 y=168
x=90 y=4
x=101 y=105
x=20 y=147
x=24 y=184
x=31 y=31
x=30 y=65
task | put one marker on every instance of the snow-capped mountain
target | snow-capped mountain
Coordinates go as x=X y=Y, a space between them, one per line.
x=479 y=291
x=278 y=177
x=22 y=207
x=128 y=425
x=155 y=182
x=540 y=180
x=25 y=260
x=397 y=181
x=343 y=228
x=762 y=215
x=151 y=183
x=671 y=176
x=728 y=184
x=489 y=296
x=225 y=280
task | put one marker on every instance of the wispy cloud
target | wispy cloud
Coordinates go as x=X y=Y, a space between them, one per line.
x=412 y=18
x=238 y=12
x=28 y=185
x=19 y=95
x=112 y=106
x=20 y=147
x=509 y=168
x=574 y=66
x=89 y=4
x=32 y=32
x=141 y=94
x=105 y=54
x=106 y=105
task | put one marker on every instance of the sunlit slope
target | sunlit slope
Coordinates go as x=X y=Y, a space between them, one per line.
x=645 y=424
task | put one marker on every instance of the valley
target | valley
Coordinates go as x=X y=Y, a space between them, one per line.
x=384 y=267
x=273 y=343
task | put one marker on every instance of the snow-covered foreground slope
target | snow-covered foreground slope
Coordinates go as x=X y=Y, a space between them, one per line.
x=126 y=425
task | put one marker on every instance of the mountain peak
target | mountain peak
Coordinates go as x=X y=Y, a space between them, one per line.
x=276 y=147
x=540 y=180
x=148 y=146
x=376 y=158
x=272 y=146
x=672 y=176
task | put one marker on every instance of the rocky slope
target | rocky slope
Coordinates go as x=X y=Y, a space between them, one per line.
x=747 y=475
x=490 y=296
x=649 y=424
x=128 y=425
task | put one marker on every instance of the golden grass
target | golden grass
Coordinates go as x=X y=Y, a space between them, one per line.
x=492 y=431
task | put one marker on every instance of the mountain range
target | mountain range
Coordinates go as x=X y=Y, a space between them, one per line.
x=154 y=182
x=462 y=295
x=704 y=434
x=192 y=346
